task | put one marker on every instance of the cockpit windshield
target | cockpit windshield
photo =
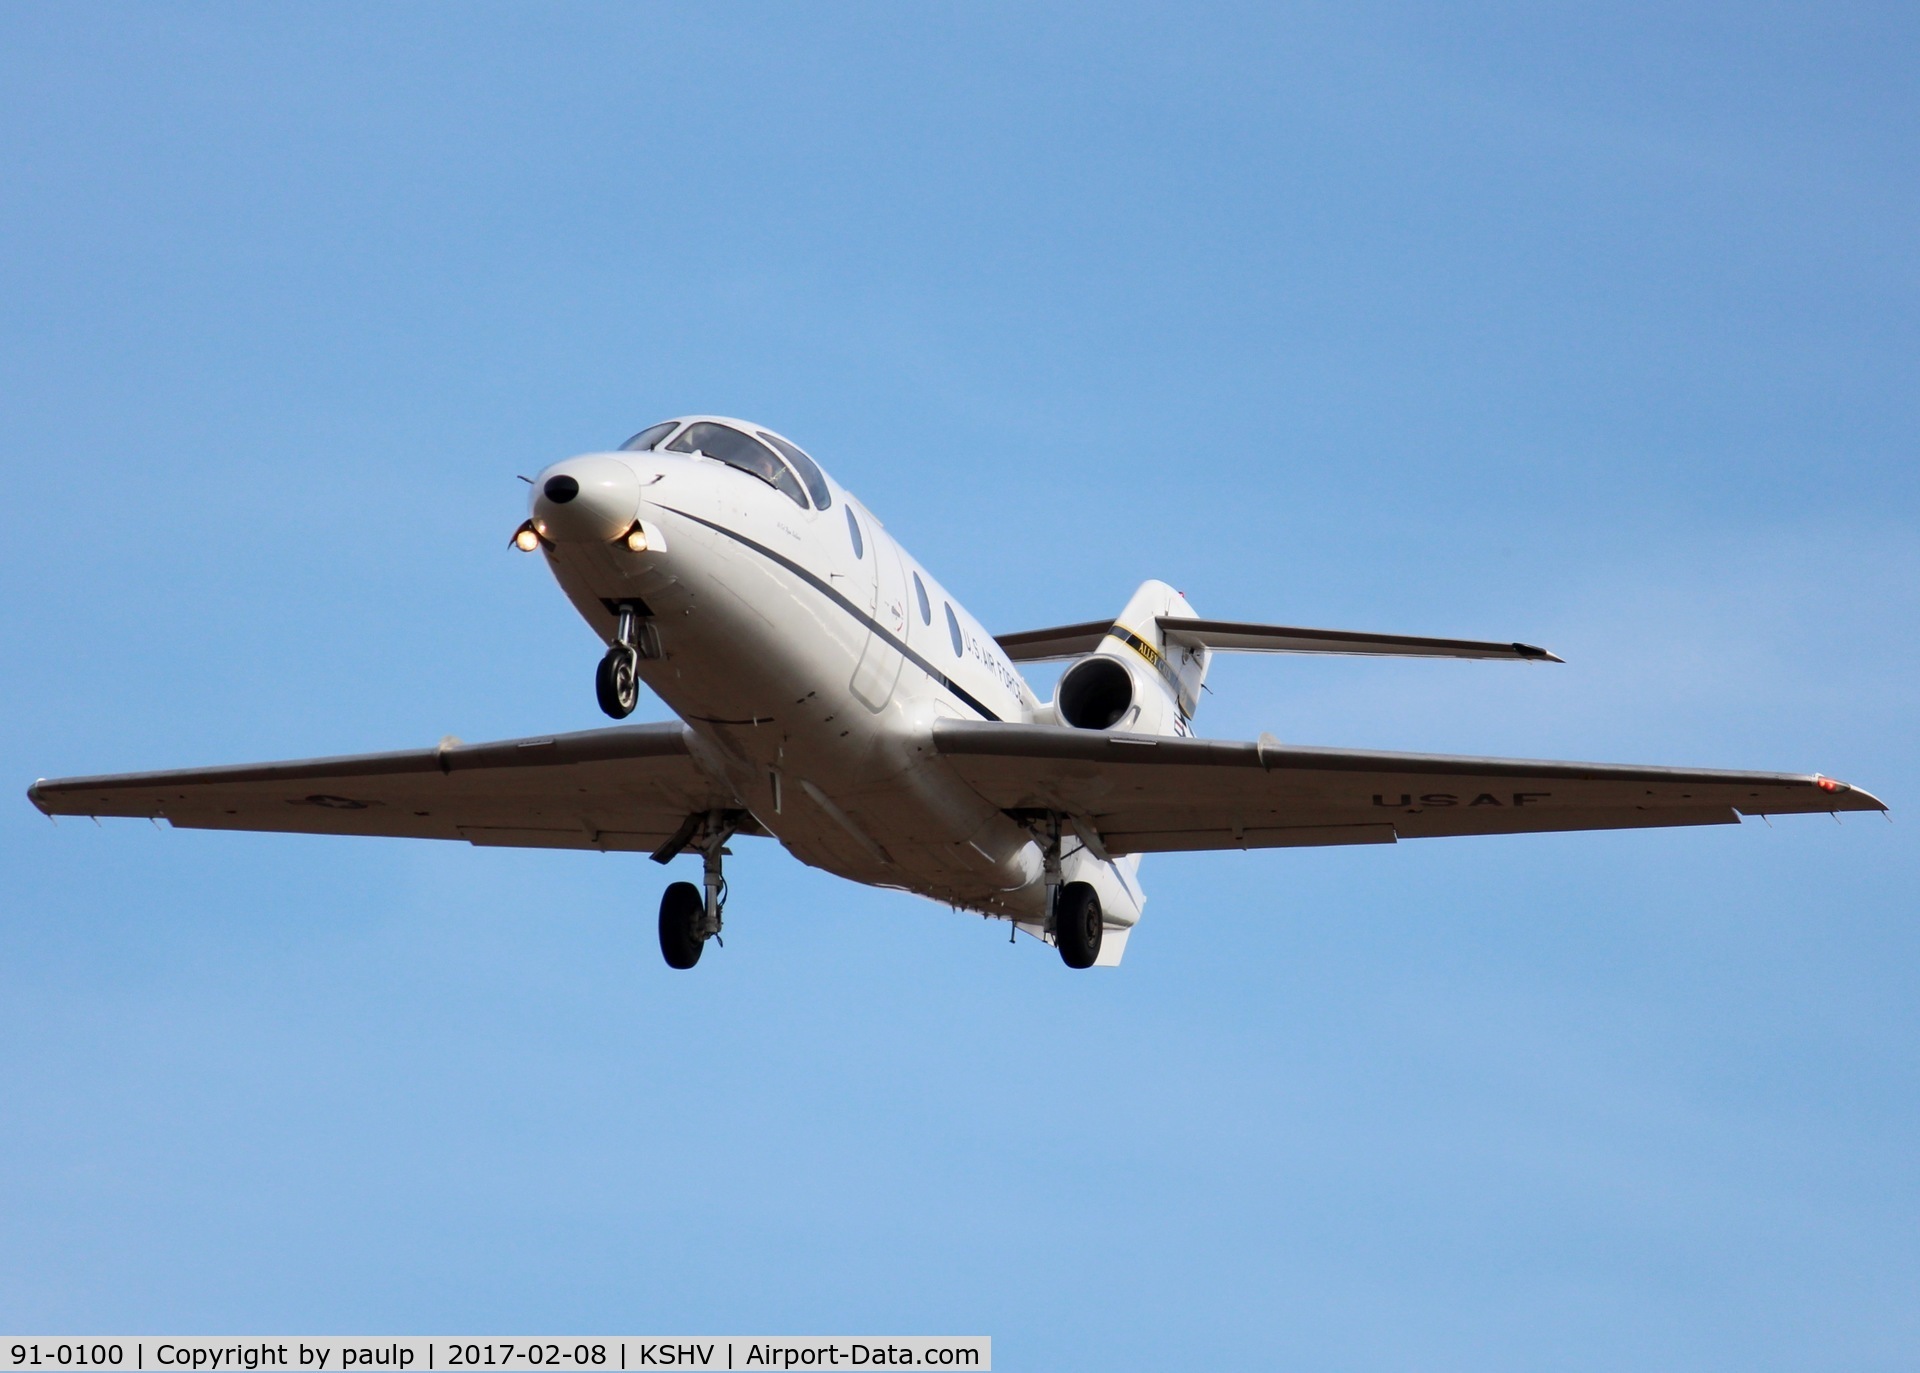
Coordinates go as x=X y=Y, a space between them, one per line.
x=809 y=471
x=739 y=450
x=647 y=438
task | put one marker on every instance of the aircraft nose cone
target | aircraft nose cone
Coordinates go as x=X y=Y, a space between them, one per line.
x=586 y=500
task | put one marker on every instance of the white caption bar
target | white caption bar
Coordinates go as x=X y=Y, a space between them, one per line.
x=472 y=1354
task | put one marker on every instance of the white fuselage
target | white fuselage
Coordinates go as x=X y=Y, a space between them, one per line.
x=811 y=663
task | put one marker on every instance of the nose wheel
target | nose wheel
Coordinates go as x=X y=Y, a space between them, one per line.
x=616 y=682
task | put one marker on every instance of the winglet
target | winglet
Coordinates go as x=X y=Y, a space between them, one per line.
x=1834 y=786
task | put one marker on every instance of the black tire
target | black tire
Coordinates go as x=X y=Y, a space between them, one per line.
x=681 y=907
x=614 y=683
x=1077 y=925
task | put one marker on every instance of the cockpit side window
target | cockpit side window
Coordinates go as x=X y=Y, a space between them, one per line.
x=809 y=470
x=736 y=449
x=647 y=438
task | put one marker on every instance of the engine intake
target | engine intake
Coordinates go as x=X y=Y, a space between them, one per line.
x=1094 y=693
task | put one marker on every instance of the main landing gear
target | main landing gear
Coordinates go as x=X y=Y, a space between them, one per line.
x=617 y=680
x=682 y=925
x=1077 y=924
x=690 y=915
x=1073 y=908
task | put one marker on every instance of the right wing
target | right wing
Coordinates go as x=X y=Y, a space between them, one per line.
x=1233 y=636
x=1142 y=793
x=628 y=788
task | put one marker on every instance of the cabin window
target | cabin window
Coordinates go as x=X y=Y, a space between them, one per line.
x=926 y=609
x=953 y=628
x=853 y=530
x=736 y=449
x=647 y=438
x=809 y=470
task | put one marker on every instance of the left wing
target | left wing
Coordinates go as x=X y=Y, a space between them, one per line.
x=1143 y=793
x=628 y=788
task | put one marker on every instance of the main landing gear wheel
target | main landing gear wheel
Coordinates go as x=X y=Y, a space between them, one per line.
x=617 y=684
x=682 y=919
x=1077 y=925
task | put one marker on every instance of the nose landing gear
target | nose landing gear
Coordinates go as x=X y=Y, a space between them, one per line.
x=616 y=683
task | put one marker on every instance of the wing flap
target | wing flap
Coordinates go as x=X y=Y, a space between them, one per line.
x=1246 y=837
x=1441 y=824
x=581 y=837
x=622 y=788
x=1149 y=794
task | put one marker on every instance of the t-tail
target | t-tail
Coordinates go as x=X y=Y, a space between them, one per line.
x=1139 y=677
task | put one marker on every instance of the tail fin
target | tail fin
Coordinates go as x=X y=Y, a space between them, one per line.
x=1158 y=687
x=1180 y=669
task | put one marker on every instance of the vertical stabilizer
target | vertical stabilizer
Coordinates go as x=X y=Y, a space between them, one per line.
x=1135 y=635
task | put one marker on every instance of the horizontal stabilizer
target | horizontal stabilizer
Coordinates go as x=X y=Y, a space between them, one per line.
x=1232 y=636
x=1229 y=636
x=1062 y=641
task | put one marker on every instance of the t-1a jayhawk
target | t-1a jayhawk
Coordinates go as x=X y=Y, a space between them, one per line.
x=833 y=695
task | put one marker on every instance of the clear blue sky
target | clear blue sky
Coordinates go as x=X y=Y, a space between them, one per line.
x=1593 y=326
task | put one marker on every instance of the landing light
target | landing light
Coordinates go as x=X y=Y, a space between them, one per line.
x=525 y=539
x=637 y=539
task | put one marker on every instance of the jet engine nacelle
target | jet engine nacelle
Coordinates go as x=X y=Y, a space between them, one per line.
x=1104 y=691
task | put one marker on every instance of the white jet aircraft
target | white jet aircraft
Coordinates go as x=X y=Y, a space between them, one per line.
x=833 y=695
